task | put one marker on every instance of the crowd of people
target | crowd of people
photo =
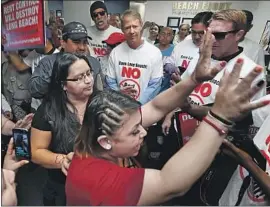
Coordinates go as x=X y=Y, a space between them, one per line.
x=89 y=96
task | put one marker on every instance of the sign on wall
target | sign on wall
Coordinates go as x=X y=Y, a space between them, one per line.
x=23 y=24
x=191 y=8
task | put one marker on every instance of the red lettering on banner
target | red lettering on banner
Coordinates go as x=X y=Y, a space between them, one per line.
x=204 y=89
x=100 y=51
x=185 y=63
x=129 y=72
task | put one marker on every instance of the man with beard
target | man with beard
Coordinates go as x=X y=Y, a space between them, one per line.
x=74 y=40
x=135 y=66
x=100 y=32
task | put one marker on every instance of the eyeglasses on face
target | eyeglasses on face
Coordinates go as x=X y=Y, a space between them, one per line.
x=82 y=77
x=102 y=13
x=222 y=35
x=200 y=33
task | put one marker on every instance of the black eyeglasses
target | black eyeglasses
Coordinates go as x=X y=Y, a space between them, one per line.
x=222 y=35
x=200 y=33
x=102 y=13
x=82 y=77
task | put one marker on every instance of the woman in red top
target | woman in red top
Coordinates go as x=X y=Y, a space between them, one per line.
x=117 y=131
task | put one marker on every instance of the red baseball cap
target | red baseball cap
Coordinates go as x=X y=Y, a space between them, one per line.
x=115 y=38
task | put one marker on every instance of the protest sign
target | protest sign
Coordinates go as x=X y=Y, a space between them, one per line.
x=23 y=24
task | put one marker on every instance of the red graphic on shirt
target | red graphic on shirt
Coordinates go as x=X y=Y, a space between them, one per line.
x=188 y=126
x=129 y=72
x=100 y=52
x=134 y=84
x=185 y=63
x=200 y=92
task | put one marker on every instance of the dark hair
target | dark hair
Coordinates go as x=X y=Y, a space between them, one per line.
x=202 y=17
x=86 y=143
x=64 y=123
x=249 y=17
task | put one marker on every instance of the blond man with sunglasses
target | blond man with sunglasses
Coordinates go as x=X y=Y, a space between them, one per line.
x=228 y=27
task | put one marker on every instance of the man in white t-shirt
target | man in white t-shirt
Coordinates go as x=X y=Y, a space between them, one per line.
x=187 y=50
x=252 y=49
x=135 y=66
x=225 y=49
x=100 y=32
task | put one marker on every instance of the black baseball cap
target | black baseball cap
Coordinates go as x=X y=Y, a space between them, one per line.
x=75 y=31
x=97 y=5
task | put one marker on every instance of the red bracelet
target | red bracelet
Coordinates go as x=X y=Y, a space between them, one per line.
x=222 y=130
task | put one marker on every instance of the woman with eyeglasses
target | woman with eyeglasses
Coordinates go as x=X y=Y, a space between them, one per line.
x=58 y=120
x=113 y=128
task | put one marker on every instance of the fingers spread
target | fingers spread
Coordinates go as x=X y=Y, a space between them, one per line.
x=255 y=105
x=250 y=92
x=224 y=79
x=246 y=82
x=206 y=46
x=234 y=75
x=217 y=68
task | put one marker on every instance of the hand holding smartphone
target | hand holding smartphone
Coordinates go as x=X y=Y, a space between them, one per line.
x=22 y=143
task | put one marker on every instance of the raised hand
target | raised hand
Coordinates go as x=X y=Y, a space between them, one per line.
x=25 y=123
x=203 y=70
x=233 y=97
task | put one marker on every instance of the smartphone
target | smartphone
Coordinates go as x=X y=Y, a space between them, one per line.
x=22 y=144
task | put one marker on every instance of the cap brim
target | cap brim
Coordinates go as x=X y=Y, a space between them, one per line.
x=113 y=42
x=78 y=36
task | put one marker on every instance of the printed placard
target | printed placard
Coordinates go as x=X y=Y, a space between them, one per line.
x=23 y=24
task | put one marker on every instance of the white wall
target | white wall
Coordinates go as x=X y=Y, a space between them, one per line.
x=77 y=11
x=139 y=7
x=261 y=15
x=159 y=11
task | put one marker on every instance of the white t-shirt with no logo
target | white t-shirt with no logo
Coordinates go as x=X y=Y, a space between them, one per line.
x=135 y=66
x=97 y=48
x=206 y=92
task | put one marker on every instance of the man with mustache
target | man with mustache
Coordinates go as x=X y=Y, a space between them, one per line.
x=75 y=41
x=100 y=32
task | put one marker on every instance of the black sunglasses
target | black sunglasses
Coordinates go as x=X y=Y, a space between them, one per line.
x=102 y=13
x=222 y=35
